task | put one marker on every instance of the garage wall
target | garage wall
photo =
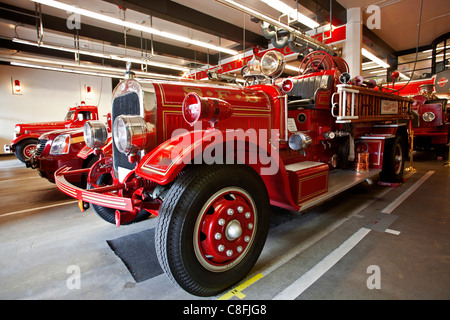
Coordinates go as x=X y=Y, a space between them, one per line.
x=46 y=96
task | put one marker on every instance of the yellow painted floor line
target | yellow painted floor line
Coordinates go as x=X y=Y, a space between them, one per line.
x=238 y=290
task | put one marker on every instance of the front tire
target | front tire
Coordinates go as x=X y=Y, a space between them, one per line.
x=25 y=149
x=109 y=214
x=212 y=227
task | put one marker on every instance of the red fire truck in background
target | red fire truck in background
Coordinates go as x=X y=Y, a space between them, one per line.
x=431 y=112
x=209 y=159
x=26 y=135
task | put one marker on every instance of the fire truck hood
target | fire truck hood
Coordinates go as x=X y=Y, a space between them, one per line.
x=53 y=134
x=39 y=126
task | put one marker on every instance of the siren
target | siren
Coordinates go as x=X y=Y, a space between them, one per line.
x=212 y=110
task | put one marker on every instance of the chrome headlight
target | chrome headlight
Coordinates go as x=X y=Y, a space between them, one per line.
x=95 y=134
x=272 y=64
x=299 y=141
x=130 y=134
x=428 y=116
x=61 y=144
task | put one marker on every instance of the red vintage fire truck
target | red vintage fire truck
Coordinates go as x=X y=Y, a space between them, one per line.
x=26 y=135
x=209 y=159
x=431 y=112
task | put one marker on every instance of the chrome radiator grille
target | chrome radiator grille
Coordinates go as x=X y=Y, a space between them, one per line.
x=127 y=104
x=40 y=146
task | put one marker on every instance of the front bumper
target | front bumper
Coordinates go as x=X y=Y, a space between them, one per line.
x=101 y=196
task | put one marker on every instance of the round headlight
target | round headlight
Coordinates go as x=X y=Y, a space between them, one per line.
x=130 y=134
x=299 y=141
x=95 y=134
x=428 y=116
x=61 y=144
x=272 y=64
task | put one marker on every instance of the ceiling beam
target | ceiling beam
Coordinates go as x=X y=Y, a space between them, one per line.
x=369 y=37
x=23 y=16
x=191 y=18
x=321 y=8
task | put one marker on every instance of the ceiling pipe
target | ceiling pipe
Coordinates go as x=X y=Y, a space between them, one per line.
x=298 y=35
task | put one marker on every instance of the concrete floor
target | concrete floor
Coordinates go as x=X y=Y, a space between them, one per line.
x=371 y=242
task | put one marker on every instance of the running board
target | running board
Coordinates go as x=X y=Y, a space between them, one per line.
x=339 y=181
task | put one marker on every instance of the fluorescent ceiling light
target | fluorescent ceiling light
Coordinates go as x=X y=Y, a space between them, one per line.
x=437 y=56
x=371 y=67
x=438 y=48
x=90 y=69
x=291 y=12
x=101 y=55
x=379 y=71
x=134 y=26
x=403 y=76
x=89 y=73
x=374 y=58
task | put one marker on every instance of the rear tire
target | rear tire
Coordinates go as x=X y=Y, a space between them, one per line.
x=393 y=160
x=212 y=227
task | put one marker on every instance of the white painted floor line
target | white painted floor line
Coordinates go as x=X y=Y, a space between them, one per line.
x=307 y=279
x=38 y=208
x=395 y=232
x=393 y=205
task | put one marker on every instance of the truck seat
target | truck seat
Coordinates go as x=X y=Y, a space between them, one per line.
x=305 y=90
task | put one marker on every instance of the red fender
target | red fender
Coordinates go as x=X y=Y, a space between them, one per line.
x=212 y=146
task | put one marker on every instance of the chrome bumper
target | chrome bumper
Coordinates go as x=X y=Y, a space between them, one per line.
x=102 y=199
x=7 y=148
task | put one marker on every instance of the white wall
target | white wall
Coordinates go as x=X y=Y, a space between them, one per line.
x=46 y=96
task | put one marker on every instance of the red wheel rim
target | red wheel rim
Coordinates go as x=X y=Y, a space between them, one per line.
x=225 y=229
x=28 y=151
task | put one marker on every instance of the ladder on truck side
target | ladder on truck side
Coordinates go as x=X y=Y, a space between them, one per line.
x=359 y=104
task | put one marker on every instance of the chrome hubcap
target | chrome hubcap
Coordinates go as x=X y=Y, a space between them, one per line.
x=233 y=230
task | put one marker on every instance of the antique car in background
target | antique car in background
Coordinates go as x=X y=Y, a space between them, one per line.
x=65 y=147
x=26 y=135
x=209 y=159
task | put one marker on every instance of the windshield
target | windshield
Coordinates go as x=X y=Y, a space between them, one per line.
x=70 y=115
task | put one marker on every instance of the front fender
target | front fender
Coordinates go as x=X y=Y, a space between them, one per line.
x=169 y=158
x=22 y=137
x=214 y=146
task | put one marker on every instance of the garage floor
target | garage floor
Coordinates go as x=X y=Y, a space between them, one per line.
x=371 y=242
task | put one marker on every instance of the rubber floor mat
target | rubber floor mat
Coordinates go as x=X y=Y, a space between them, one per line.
x=137 y=251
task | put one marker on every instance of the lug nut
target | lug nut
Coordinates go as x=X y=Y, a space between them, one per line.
x=218 y=236
x=240 y=209
x=247 y=215
x=222 y=222
x=250 y=226
x=229 y=253
x=239 y=249
x=221 y=248
x=230 y=212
